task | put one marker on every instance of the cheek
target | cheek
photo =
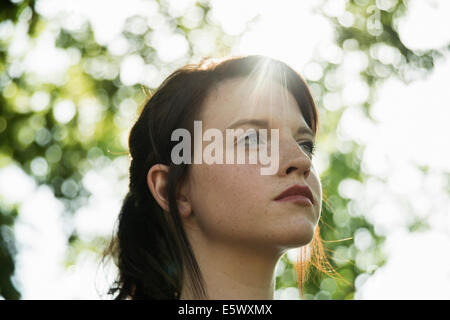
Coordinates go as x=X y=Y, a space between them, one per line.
x=315 y=180
x=316 y=187
x=224 y=198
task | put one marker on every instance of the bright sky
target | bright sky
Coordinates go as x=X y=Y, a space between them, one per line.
x=411 y=130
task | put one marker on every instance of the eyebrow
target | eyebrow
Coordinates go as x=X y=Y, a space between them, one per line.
x=265 y=124
x=256 y=122
x=305 y=130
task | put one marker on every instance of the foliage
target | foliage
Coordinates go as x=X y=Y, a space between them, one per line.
x=57 y=150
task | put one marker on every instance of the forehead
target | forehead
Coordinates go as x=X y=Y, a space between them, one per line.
x=245 y=98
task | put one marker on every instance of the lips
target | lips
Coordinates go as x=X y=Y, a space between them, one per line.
x=296 y=190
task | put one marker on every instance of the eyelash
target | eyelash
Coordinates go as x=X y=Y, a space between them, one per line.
x=248 y=136
x=310 y=144
x=311 y=147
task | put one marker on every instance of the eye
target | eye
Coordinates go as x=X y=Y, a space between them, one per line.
x=249 y=139
x=308 y=146
x=252 y=139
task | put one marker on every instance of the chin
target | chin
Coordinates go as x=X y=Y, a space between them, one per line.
x=299 y=236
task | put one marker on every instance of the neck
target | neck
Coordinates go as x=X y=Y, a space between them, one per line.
x=232 y=271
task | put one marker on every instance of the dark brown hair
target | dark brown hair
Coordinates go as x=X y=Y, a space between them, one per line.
x=150 y=247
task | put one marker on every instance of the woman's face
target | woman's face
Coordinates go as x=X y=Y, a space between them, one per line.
x=234 y=203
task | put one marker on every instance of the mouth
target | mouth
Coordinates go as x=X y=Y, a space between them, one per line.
x=298 y=194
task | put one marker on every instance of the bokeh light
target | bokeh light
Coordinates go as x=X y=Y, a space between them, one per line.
x=74 y=75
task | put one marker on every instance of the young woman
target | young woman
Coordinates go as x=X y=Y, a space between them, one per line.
x=217 y=231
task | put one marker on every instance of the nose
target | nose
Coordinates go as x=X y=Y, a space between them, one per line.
x=295 y=160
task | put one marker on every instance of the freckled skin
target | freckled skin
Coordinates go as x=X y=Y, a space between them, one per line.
x=237 y=230
x=234 y=202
